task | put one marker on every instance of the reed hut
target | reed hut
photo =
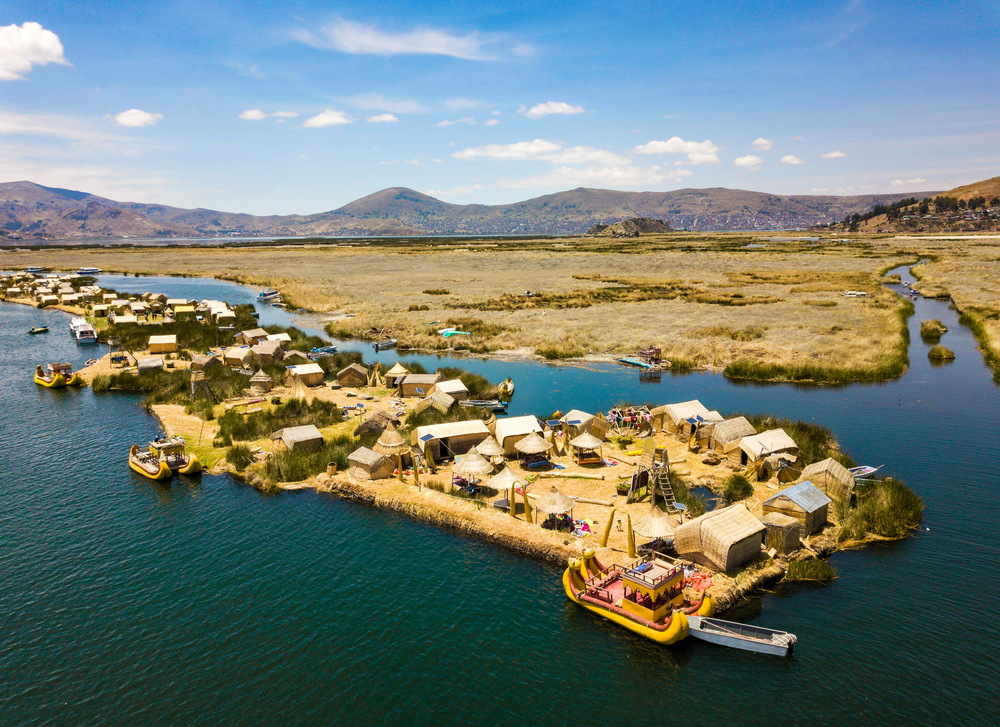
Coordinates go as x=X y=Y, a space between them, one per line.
x=491 y=449
x=306 y=438
x=758 y=447
x=658 y=525
x=183 y=312
x=532 y=445
x=453 y=388
x=365 y=464
x=587 y=449
x=445 y=441
x=472 y=465
x=510 y=431
x=309 y=374
x=418 y=384
x=377 y=422
x=554 y=502
x=725 y=435
x=240 y=357
x=721 y=539
x=438 y=400
x=804 y=502
x=394 y=376
x=163 y=344
x=267 y=351
x=575 y=422
x=353 y=375
x=675 y=414
x=392 y=445
x=831 y=477
x=260 y=382
x=149 y=364
x=252 y=336
x=782 y=533
x=691 y=426
x=123 y=320
x=283 y=338
x=45 y=300
x=173 y=303
x=202 y=361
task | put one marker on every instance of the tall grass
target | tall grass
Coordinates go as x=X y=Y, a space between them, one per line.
x=240 y=456
x=695 y=504
x=554 y=353
x=234 y=426
x=479 y=386
x=940 y=353
x=932 y=330
x=810 y=570
x=288 y=466
x=736 y=487
x=888 y=509
x=976 y=319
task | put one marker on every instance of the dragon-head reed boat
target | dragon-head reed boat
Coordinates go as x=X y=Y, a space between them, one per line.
x=57 y=376
x=164 y=457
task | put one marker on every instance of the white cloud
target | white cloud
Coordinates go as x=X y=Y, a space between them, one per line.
x=62 y=127
x=382 y=119
x=467 y=120
x=303 y=156
x=27 y=45
x=253 y=115
x=698 y=152
x=548 y=108
x=494 y=112
x=416 y=162
x=285 y=114
x=906 y=182
x=349 y=37
x=458 y=104
x=436 y=161
x=377 y=102
x=491 y=122
x=762 y=144
x=135 y=117
x=546 y=151
x=749 y=162
x=608 y=177
x=799 y=138
x=329 y=117
x=791 y=159
x=466 y=189
x=834 y=155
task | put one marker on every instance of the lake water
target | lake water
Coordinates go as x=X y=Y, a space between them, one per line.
x=124 y=601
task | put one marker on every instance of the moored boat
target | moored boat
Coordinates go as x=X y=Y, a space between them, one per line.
x=71 y=377
x=163 y=458
x=38 y=329
x=495 y=405
x=384 y=344
x=645 y=597
x=267 y=295
x=50 y=380
x=742 y=636
x=86 y=335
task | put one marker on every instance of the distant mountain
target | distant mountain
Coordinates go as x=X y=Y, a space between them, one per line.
x=632 y=227
x=29 y=210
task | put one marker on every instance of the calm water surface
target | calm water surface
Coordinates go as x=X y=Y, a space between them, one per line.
x=123 y=601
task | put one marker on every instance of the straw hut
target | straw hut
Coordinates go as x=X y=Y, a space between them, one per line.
x=418 y=384
x=656 y=525
x=306 y=438
x=783 y=533
x=453 y=388
x=163 y=344
x=120 y=320
x=309 y=374
x=554 y=502
x=693 y=425
x=587 y=449
x=804 y=502
x=149 y=364
x=364 y=464
x=437 y=400
x=240 y=357
x=721 y=539
x=261 y=382
x=392 y=445
x=725 y=436
x=394 y=376
x=758 y=447
x=283 y=338
x=294 y=356
x=202 y=361
x=444 y=441
x=187 y=311
x=504 y=480
x=353 y=375
x=267 y=351
x=491 y=449
x=533 y=445
x=249 y=338
x=377 y=422
x=674 y=415
x=575 y=422
x=173 y=303
x=831 y=478
x=472 y=464
x=510 y=431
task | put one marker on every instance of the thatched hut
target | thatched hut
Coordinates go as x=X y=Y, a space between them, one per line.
x=725 y=435
x=721 y=539
x=783 y=533
x=444 y=441
x=418 y=384
x=163 y=344
x=364 y=464
x=658 y=525
x=472 y=464
x=804 y=502
x=757 y=447
x=554 y=502
x=202 y=361
x=149 y=364
x=261 y=382
x=510 y=431
x=438 y=400
x=377 y=422
x=252 y=336
x=587 y=449
x=693 y=425
x=353 y=375
x=306 y=438
x=830 y=477
x=674 y=414
x=310 y=374
x=240 y=356
x=491 y=449
x=453 y=388
x=392 y=445
x=394 y=376
x=575 y=422
x=533 y=445
x=267 y=351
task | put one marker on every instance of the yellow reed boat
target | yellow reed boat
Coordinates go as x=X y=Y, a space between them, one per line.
x=646 y=597
x=51 y=380
x=163 y=458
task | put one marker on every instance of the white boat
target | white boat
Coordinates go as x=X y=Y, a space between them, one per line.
x=269 y=294
x=76 y=323
x=741 y=636
x=384 y=344
x=86 y=334
x=89 y=271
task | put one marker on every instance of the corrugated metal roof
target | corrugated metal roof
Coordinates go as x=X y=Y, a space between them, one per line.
x=805 y=495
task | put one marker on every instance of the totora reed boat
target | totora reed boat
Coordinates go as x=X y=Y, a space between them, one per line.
x=646 y=597
x=58 y=376
x=163 y=458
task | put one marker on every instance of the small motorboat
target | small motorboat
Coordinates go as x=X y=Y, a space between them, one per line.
x=742 y=636
x=86 y=335
x=89 y=271
x=495 y=405
x=163 y=458
x=384 y=344
x=646 y=597
x=38 y=329
x=76 y=322
x=268 y=295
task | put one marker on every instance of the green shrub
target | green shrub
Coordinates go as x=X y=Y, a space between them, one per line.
x=736 y=487
x=888 y=509
x=940 y=353
x=240 y=456
x=554 y=353
x=695 y=504
x=235 y=426
x=810 y=570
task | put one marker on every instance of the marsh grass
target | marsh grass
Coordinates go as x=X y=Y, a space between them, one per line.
x=240 y=456
x=695 y=504
x=940 y=353
x=978 y=320
x=810 y=570
x=932 y=330
x=288 y=466
x=235 y=426
x=554 y=353
x=736 y=487
x=887 y=509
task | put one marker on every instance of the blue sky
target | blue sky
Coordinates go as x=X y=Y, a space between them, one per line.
x=249 y=107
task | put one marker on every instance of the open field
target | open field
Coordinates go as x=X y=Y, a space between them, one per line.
x=707 y=300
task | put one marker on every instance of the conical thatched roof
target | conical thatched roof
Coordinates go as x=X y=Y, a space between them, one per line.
x=586 y=441
x=489 y=447
x=656 y=525
x=397 y=370
x=472 y=463
x=504 y=480
x=554 y=502
x=391 y=443
x=533 y=444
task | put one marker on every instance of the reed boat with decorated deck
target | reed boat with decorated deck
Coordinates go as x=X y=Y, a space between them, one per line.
x=163 y=458
x=57 y=376
x=646 y=597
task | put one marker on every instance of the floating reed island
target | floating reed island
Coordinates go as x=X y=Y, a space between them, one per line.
x=737 y=499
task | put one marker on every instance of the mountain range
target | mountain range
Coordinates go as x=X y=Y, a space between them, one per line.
x=31 y=211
